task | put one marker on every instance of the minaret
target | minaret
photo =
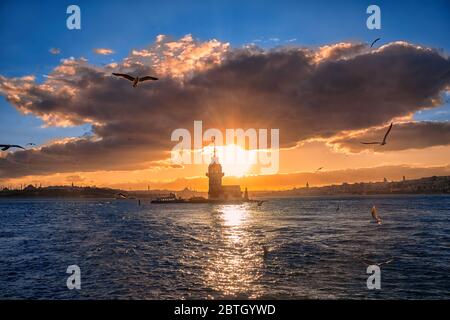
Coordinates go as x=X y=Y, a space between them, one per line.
x=215 y=175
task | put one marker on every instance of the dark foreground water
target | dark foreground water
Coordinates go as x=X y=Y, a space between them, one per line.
x=287 y=248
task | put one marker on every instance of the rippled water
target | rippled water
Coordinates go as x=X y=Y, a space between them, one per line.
x=287 y=248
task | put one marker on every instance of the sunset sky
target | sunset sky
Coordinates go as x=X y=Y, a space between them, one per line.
x=305 y=68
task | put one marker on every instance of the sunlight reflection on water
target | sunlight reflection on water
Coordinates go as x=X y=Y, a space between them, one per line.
x=287 y=248
x=235 y=267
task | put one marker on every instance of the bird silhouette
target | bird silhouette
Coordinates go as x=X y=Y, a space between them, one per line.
x=5 y=147
x=319 y=169
x=136 y=79
x=382 y=143
x=373 y=42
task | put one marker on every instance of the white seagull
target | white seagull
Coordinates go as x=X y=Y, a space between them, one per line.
x=375 y=215
x=371 y=263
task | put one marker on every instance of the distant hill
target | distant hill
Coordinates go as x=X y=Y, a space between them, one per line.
x=91 y=192
x=61 y=192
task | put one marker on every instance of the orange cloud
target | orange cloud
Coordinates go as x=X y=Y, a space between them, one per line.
x=103 y=51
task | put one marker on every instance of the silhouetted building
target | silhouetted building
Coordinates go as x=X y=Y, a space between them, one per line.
x=216 y=190
x=246 y=194
x=30 y=187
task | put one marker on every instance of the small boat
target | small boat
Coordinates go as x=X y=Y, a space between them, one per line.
x=171 y=198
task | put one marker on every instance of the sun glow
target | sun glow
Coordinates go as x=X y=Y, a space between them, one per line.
x=235 y=160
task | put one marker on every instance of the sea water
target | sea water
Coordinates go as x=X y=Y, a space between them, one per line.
x=302 y=248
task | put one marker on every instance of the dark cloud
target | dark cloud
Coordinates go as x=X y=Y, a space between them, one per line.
x=305 y=93
x=410 y=135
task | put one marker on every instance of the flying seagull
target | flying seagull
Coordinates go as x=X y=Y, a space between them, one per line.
x=377 y=264
x=385 y=262
x=31 y=144
x=319 y=169
x=5 y=147
x=136 y=79
x=373 y=42
x=382 y=143
x=375 y=215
